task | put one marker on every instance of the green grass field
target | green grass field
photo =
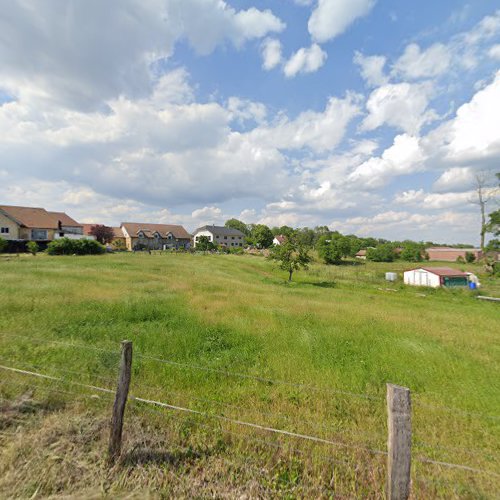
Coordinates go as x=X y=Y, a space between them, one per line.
x=335 y=329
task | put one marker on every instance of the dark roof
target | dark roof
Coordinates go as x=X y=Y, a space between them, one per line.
x=148 y=229
x=441 y=271
x=222 y=230
x=281 y=238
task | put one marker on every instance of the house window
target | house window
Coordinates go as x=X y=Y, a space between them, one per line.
x=225 y=237
x=232 y=237
x=39 y=234
x=4 y=230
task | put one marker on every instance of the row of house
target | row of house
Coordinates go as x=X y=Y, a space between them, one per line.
x=37 y=224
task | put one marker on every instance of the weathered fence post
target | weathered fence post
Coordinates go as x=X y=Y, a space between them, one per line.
x=115 y=436
x=398 y=442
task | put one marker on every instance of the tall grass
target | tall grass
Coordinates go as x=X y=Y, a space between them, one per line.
x=334 y=329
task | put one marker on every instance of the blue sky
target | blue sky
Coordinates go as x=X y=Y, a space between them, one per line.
x=373 y=117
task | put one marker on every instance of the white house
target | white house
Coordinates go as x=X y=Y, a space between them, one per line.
x=279 y=239
x=220 y=235
x=435 y=277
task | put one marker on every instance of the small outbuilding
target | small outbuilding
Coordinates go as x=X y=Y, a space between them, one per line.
x=435 y=277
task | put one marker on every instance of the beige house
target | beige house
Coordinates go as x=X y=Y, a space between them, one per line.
x=36 y=224
x=143 y=235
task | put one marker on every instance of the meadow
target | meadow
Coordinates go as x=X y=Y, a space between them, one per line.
x=227 y=335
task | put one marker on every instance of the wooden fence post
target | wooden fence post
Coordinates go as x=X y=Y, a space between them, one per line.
x=398 y=442
x=115 y=436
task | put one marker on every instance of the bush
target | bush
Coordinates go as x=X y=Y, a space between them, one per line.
x=3 y=244
x=382 y=253
x=32 y=247
x=460 y=260
x=65 y=246
x=469 y=257
x=236 y=250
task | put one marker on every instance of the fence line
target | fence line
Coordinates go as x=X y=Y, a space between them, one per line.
x=252 y=425
x=253 y=377
x=205 y=368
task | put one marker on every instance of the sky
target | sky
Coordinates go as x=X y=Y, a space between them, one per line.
x=370 y=116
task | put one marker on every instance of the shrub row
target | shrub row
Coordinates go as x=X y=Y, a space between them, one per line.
x=65 y=246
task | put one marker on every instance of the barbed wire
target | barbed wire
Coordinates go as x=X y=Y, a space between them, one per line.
x=256 y=426
x=256 y=378
x=206 y=368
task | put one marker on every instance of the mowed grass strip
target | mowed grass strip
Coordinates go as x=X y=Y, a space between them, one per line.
x=335 y=329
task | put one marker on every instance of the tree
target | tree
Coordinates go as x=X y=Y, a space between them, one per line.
x=103 y=234
x=469 y=257
x=3 y=244
x=291 y=256
x=32 y=247
x=412 y=252
x=382 y=253
x=332 y=249
x=204 y=244
x=483 y=195
x=493 y=225
x=237 y=224
x=262 y=236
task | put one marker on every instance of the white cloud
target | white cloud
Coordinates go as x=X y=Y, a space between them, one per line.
x=271 y=53
x=305 y=60
x=400 y=105
x=442 y=227
x=403 y=157
x=472 y=136
x=372 y=68
x=331 y=18
x=494 y=52
x=117 y=41
x=455 y=179
x=415 y=63
x=244 y=109
x=433 y=201
x=318 y=131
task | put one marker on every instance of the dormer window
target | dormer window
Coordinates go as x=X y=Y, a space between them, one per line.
x=157 y=235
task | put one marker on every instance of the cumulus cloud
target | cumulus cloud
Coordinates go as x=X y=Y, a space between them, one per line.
x=433 y=201
x=305 y=60
x=372 y=68
x=455 y=179
x=403 y=106
x=471 y=137
x=319 y=132
x=112 y=44
x=271 y=53
x=444 y=225
x=415 y=63
x=403 y=157
x=331 y=18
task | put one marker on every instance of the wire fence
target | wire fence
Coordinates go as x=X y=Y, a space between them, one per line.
x=103 y=385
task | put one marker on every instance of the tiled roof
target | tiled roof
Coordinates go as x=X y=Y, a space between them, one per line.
x=65 y=219
x=442 y=271
x=31 y=217
x=148 y=229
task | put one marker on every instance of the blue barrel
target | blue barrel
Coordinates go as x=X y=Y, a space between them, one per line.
x=472 y=285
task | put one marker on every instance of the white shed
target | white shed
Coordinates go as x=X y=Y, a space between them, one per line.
x=435 y=277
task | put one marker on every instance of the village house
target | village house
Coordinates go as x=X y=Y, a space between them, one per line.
x=140 y=236
x=36 y=224
x=435 y=277
x=279 y=239
x=361 y=254
x=220 y=235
